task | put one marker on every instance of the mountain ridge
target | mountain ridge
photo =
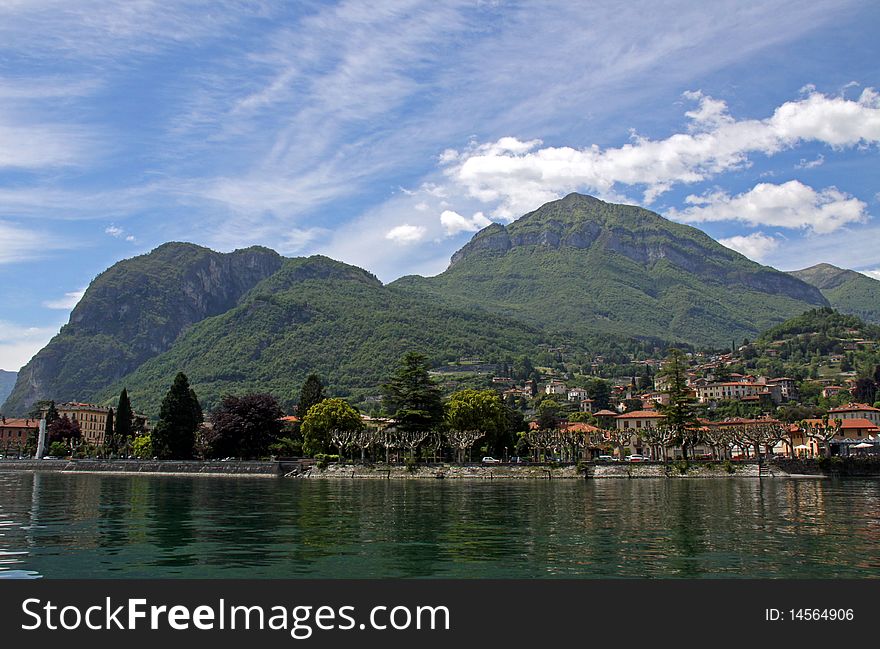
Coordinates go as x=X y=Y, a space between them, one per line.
x=578 y=271
x=846 y=290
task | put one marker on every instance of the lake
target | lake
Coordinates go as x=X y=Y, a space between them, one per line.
x=86 y=525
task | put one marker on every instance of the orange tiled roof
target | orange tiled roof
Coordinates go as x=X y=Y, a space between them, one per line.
x=855 y=407
x=14 y=422
x=641 y=414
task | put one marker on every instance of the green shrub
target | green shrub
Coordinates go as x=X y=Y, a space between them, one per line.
x=728 y=466
x=682 y=467
x=410 y=464
x=59 y=449
x=324 y=460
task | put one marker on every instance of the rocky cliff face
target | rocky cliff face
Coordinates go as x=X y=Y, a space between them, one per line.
x=133 y=311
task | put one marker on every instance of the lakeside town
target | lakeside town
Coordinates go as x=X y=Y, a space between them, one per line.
x=686 y=406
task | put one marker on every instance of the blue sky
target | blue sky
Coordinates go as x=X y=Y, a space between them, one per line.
x=385 y=133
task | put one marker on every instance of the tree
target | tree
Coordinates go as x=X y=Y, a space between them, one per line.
x=411 y=397
x=108 y=427
x=179 y=419
x=324 y=418
x=44 y=406
x=548 y=414
x=480 y=411
x=311 y=393
x=63 y=430
x=680 y=414
x=245 y=426
x=142 y=447
x=599 y=390
x=124 y=418
x=824 y=431
x=865 y=390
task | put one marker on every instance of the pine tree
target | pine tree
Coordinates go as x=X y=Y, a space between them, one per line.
x=124 y=418
x=411 y=397
x=179 y=418
x=311 y=393
x=680 y=414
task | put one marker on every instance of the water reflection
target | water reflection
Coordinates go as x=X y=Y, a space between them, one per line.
x=148 y=526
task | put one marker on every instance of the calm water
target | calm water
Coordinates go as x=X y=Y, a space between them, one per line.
x=55 y=525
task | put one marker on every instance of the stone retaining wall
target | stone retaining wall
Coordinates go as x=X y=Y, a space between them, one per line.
x=536 y=472
x=156 y=467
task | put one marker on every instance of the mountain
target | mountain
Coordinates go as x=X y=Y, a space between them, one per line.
x=583 y=265
x=846 y=290
x=316 y=314
x=578 y=272
x=7 y=381
x=133 y=311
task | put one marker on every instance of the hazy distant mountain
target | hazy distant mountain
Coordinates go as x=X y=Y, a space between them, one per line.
x=846 y=290
x=590 y=274
x=7 y=381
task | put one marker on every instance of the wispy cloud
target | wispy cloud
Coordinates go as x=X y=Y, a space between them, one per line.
x=67 y=302
x=23 y=244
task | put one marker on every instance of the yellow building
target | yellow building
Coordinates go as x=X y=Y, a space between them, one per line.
x=92 y=420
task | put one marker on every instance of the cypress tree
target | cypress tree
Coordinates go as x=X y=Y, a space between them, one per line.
x=124 y=418
x=108 y=428
x=311 y=393
x=179 y=419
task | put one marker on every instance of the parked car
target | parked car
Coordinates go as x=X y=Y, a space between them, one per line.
x=490 y=460
x=636 y=458
x=518 y=460
x=605 y=458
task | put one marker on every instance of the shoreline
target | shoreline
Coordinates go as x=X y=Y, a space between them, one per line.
x=307 y=471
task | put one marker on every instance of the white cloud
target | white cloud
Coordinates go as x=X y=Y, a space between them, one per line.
x=453 y=222
x=119 y=233
x=18 y=344
x=755 y=246
x=406 y=233
x=789 y=205
x=519 y=176
x=811 y=164
x=873 y=274
x=67 y=302
x=20 y=244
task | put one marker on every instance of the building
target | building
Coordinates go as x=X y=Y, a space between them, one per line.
x=856 y=411
x=728 y=390
x=14 y=433
x=787 y=387
x=555 y=387
x=833 y=390
x=638 y=419
x=577 y=394
x=92 y=420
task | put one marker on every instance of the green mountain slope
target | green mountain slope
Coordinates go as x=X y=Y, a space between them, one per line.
x=7 y=381
x=846 y=290
x=585 y=265
x=316 y=314
x=133 y=311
